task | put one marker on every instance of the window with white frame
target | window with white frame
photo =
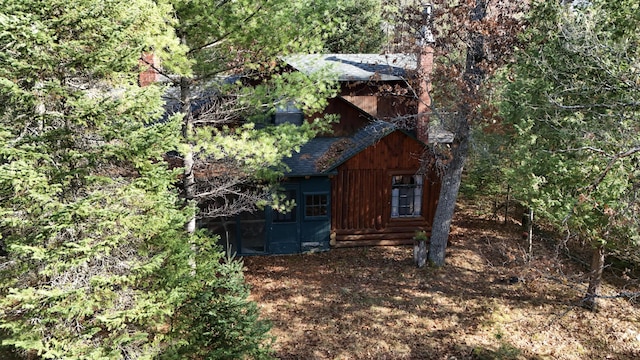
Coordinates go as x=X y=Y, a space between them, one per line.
x=406 y=196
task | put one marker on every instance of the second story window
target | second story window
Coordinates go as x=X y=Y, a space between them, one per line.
x=288 y=113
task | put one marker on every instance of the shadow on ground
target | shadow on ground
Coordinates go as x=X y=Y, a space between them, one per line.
x=373 y=303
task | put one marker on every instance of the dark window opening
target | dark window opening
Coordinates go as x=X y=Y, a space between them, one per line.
x=316 y=205
x=289 y=113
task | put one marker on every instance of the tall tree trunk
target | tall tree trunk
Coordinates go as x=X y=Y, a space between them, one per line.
x=188 y=180
x=473 y=77
x=189 y=189
x=529 y=230
x=595 y=279
x=447 y=201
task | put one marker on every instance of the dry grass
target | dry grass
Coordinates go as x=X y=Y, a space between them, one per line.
x=373 y=303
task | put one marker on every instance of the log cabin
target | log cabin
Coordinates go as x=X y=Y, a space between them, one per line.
x=362 y=184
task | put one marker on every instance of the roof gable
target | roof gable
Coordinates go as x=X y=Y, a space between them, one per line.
x=321 y=156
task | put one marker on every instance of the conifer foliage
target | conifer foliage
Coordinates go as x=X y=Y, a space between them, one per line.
x=234 y=66
x=95 y=261
x=573 y=100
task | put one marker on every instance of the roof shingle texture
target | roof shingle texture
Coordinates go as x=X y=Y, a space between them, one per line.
x=320 y=156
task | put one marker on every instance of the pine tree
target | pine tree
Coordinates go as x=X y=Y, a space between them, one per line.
x=234 y=52
x=97 y=264
x=572 y=99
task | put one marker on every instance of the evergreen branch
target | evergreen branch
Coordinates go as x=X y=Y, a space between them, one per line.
x=222 y=3
x=222 y=38
x=23 y=132
x=594 y=106
x=591 y=148
x=610 y=164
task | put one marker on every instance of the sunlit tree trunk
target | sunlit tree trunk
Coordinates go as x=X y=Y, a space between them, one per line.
x=460 y=147
x=188 y=181
x=447 y=201
x=595 y=278
x=529 y=233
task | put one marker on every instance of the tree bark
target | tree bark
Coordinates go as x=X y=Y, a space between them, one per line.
x=473 y=76
x=530 y=234
x=420 y=253
x=189 y=189
x=188 y=180
x=595 y=279
x=447 y=201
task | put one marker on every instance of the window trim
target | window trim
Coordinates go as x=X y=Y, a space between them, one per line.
x=290 y=113
x=417 y=191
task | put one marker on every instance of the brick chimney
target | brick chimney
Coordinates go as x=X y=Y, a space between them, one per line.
x=425 y=69
x=148 y=63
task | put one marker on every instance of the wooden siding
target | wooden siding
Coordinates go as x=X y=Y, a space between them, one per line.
x=390 y=107
x=361 y=196
x=367 y=103
x=381 y=107
x=351 y=118
x=379 y=99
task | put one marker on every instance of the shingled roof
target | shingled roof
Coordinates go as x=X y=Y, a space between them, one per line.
x=320 y=156
x=355 y=67
x=303 y=163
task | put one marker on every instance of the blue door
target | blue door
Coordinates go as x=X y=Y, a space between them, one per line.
x=305 y=227
x=315 y=223
x=284 y=234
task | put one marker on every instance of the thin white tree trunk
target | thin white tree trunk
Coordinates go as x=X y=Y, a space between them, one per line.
x=530 y=234
x=189 y=189
x=188 y=180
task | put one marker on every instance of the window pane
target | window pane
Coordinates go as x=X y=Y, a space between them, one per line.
x=316 y=205
x=406 y=195
x=417 y=196
x=395 y=201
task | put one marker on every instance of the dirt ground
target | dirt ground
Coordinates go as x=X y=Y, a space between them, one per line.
x=486 y=303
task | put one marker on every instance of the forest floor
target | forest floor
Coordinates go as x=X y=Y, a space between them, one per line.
x=486 y=303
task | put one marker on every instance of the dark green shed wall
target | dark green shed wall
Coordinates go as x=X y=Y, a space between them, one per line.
x=262 y=233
